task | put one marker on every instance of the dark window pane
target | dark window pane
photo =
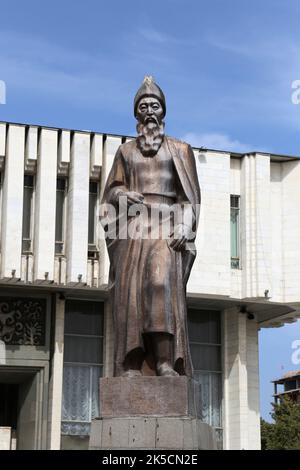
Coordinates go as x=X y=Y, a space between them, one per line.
x=235 y=201
x=85 y=350
x=61 y=184
x=93 y=187
x=92 y=216
x=204 y=326
x=235 y=231
x=60 y=197
x=85 y=318
x=234 y=219
x=59 y=248
x=27 y=213
x=198 y=325
x=290 y=385
x=28 y=181
x=206 y=357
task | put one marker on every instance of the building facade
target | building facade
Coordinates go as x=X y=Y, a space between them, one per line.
x=56 y=332
x=287 y=386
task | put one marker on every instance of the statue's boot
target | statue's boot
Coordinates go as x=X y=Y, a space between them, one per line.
x=163 y=350
x=166 y=370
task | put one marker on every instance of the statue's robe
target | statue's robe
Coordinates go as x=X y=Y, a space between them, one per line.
x=147 y=278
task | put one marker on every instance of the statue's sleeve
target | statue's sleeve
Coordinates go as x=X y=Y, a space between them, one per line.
x=117 y=181
x=190 y=207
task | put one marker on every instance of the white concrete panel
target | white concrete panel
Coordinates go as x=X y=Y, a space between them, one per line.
x=235 y=176
x=276 y=195
x=64 y=150
x=96 y=154
x=78 y=202
x=211 y=270
x=45 y=205
x=27 y=268
x=241 y=386
x=253 y=387
x=256 y=225
x=12 y=202
x=60 y=266
x=291 y=230
x=31 y=148
x=56 y=377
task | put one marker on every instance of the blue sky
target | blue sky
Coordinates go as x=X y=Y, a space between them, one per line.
x=226 y=67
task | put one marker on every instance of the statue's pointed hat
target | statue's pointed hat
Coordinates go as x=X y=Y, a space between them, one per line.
x=149 y=88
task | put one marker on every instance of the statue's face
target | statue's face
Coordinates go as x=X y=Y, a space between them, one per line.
x=149 y=110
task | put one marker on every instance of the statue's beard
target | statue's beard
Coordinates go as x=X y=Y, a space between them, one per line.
x=150 y=137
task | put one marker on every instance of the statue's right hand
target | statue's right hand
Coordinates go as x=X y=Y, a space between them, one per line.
x=133 y=197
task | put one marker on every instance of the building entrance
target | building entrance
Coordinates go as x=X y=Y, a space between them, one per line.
x=21 y=406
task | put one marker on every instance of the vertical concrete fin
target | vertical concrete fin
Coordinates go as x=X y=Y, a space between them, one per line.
x=45 y=206
x=78 y=205
x=12 y=202
x=31 y=148
x=96 y=155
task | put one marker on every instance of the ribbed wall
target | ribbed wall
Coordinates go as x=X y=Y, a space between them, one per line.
x=47 y=154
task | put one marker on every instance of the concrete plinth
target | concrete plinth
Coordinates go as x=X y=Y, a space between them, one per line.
x=150 y=413
x=149 y=396
x=151 y=433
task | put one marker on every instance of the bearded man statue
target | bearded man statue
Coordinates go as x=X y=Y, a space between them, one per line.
x=149 y=273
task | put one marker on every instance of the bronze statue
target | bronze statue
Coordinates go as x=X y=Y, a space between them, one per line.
x=149 y=272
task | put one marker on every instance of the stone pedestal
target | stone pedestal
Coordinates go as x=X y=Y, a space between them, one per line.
x=149 y=396
x=150 y=413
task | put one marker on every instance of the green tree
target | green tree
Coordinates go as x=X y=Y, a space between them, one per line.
x=284 y=432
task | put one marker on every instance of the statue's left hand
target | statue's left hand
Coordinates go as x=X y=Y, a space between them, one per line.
x=180 y=236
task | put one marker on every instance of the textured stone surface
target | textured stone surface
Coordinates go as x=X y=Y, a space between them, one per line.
x=151 y=433
x=148 y=396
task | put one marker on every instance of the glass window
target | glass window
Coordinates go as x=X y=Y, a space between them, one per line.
x=290 y=385
x=61 y=191
x=235 y=231
x=204 y=328
x=83 y=363
x=27 y=213
x=93 y=194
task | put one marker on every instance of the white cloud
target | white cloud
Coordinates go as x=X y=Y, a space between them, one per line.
x=216 y=141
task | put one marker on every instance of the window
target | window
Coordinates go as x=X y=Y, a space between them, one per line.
x=93 y=195
x=83 y=362
x=27 y=214
x=290 y=385
x=60 y=217
x=235 y=231
x=204 y=328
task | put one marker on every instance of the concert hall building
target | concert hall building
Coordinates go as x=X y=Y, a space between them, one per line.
x=56 y=331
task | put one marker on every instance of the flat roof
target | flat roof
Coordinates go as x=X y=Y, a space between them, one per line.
x=288 y=375
x=274 y=156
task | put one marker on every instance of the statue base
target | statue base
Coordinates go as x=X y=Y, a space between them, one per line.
x=143 y=433
x=150 y=413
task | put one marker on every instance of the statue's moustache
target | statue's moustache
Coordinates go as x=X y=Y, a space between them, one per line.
x=151 y=119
